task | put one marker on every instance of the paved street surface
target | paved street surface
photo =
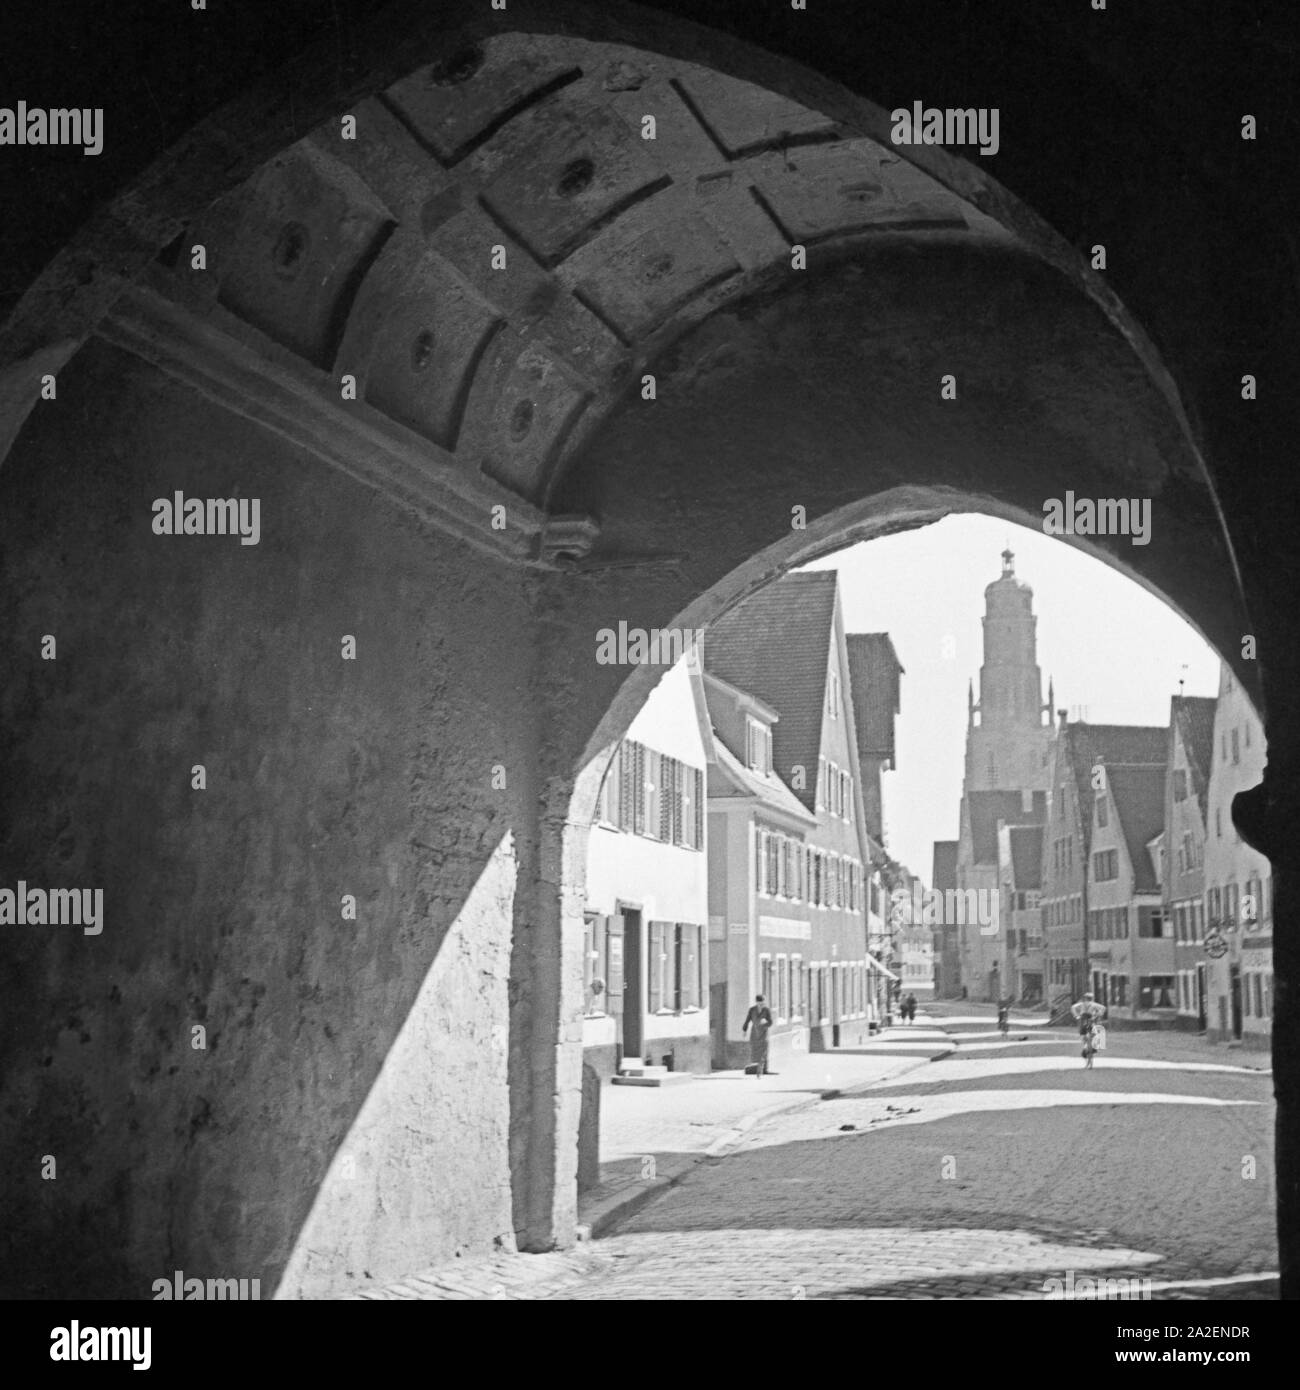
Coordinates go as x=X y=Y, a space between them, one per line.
x=998 y=1167
x=649 y=1136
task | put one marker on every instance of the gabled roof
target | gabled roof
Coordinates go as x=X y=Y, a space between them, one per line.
x=1193 y=717
x=728 y=776
x=776 y=644
x=1139 y=797
x=1026 y=843
x=987 y=808
x=1115 y=745
x=945 y=865
x=874 y=669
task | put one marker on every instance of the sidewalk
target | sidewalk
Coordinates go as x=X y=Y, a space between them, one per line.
x=651 y=1137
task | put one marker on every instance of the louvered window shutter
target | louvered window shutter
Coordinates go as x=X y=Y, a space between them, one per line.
x=656 y=964
x=638 y=789
x=626 y=786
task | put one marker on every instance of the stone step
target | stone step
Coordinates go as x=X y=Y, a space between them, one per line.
x=635 y=1068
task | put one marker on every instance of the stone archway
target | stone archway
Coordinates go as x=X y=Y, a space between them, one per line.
x=810 y=398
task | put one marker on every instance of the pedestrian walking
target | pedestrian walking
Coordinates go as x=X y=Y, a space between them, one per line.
x=911 y=1009
x=759 y=1019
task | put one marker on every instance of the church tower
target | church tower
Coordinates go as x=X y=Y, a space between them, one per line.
x=1009 y=728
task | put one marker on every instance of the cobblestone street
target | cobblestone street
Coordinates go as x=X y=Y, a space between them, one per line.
x=983 y=1174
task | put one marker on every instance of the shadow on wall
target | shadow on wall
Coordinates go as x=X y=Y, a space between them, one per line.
x=217 y=1153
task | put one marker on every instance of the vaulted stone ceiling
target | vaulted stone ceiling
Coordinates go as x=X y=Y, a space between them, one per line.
x=374 y=257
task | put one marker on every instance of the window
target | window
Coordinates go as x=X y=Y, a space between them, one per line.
x=1118 y=991
x=1215 y=907
x=758 y=749
x=1218 y=822
x=658 y=969
x=1230 y=905
x=595 y=951
x=1236 y=747
x=1156 y=992
x=765 y=975
x=1102 y=815
x=798 y=985
x=1151 y=922
x=1180 y=785
x=1250 y=905
x=1105 y=865
x=688 y=975
x=833 y=695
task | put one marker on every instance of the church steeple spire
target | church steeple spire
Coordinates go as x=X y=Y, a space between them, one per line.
x=1004 y=749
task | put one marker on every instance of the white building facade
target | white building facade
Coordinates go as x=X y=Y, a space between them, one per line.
x=645 y=948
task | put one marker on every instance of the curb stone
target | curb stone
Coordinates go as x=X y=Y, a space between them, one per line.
x=603 y=1215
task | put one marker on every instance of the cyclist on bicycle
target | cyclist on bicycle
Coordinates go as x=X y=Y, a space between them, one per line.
x=1087 y=1011
x=1089 y=1014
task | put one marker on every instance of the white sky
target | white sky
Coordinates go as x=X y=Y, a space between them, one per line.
x=1116 y=652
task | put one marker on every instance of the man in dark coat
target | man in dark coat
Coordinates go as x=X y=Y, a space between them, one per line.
x=759 y=1018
